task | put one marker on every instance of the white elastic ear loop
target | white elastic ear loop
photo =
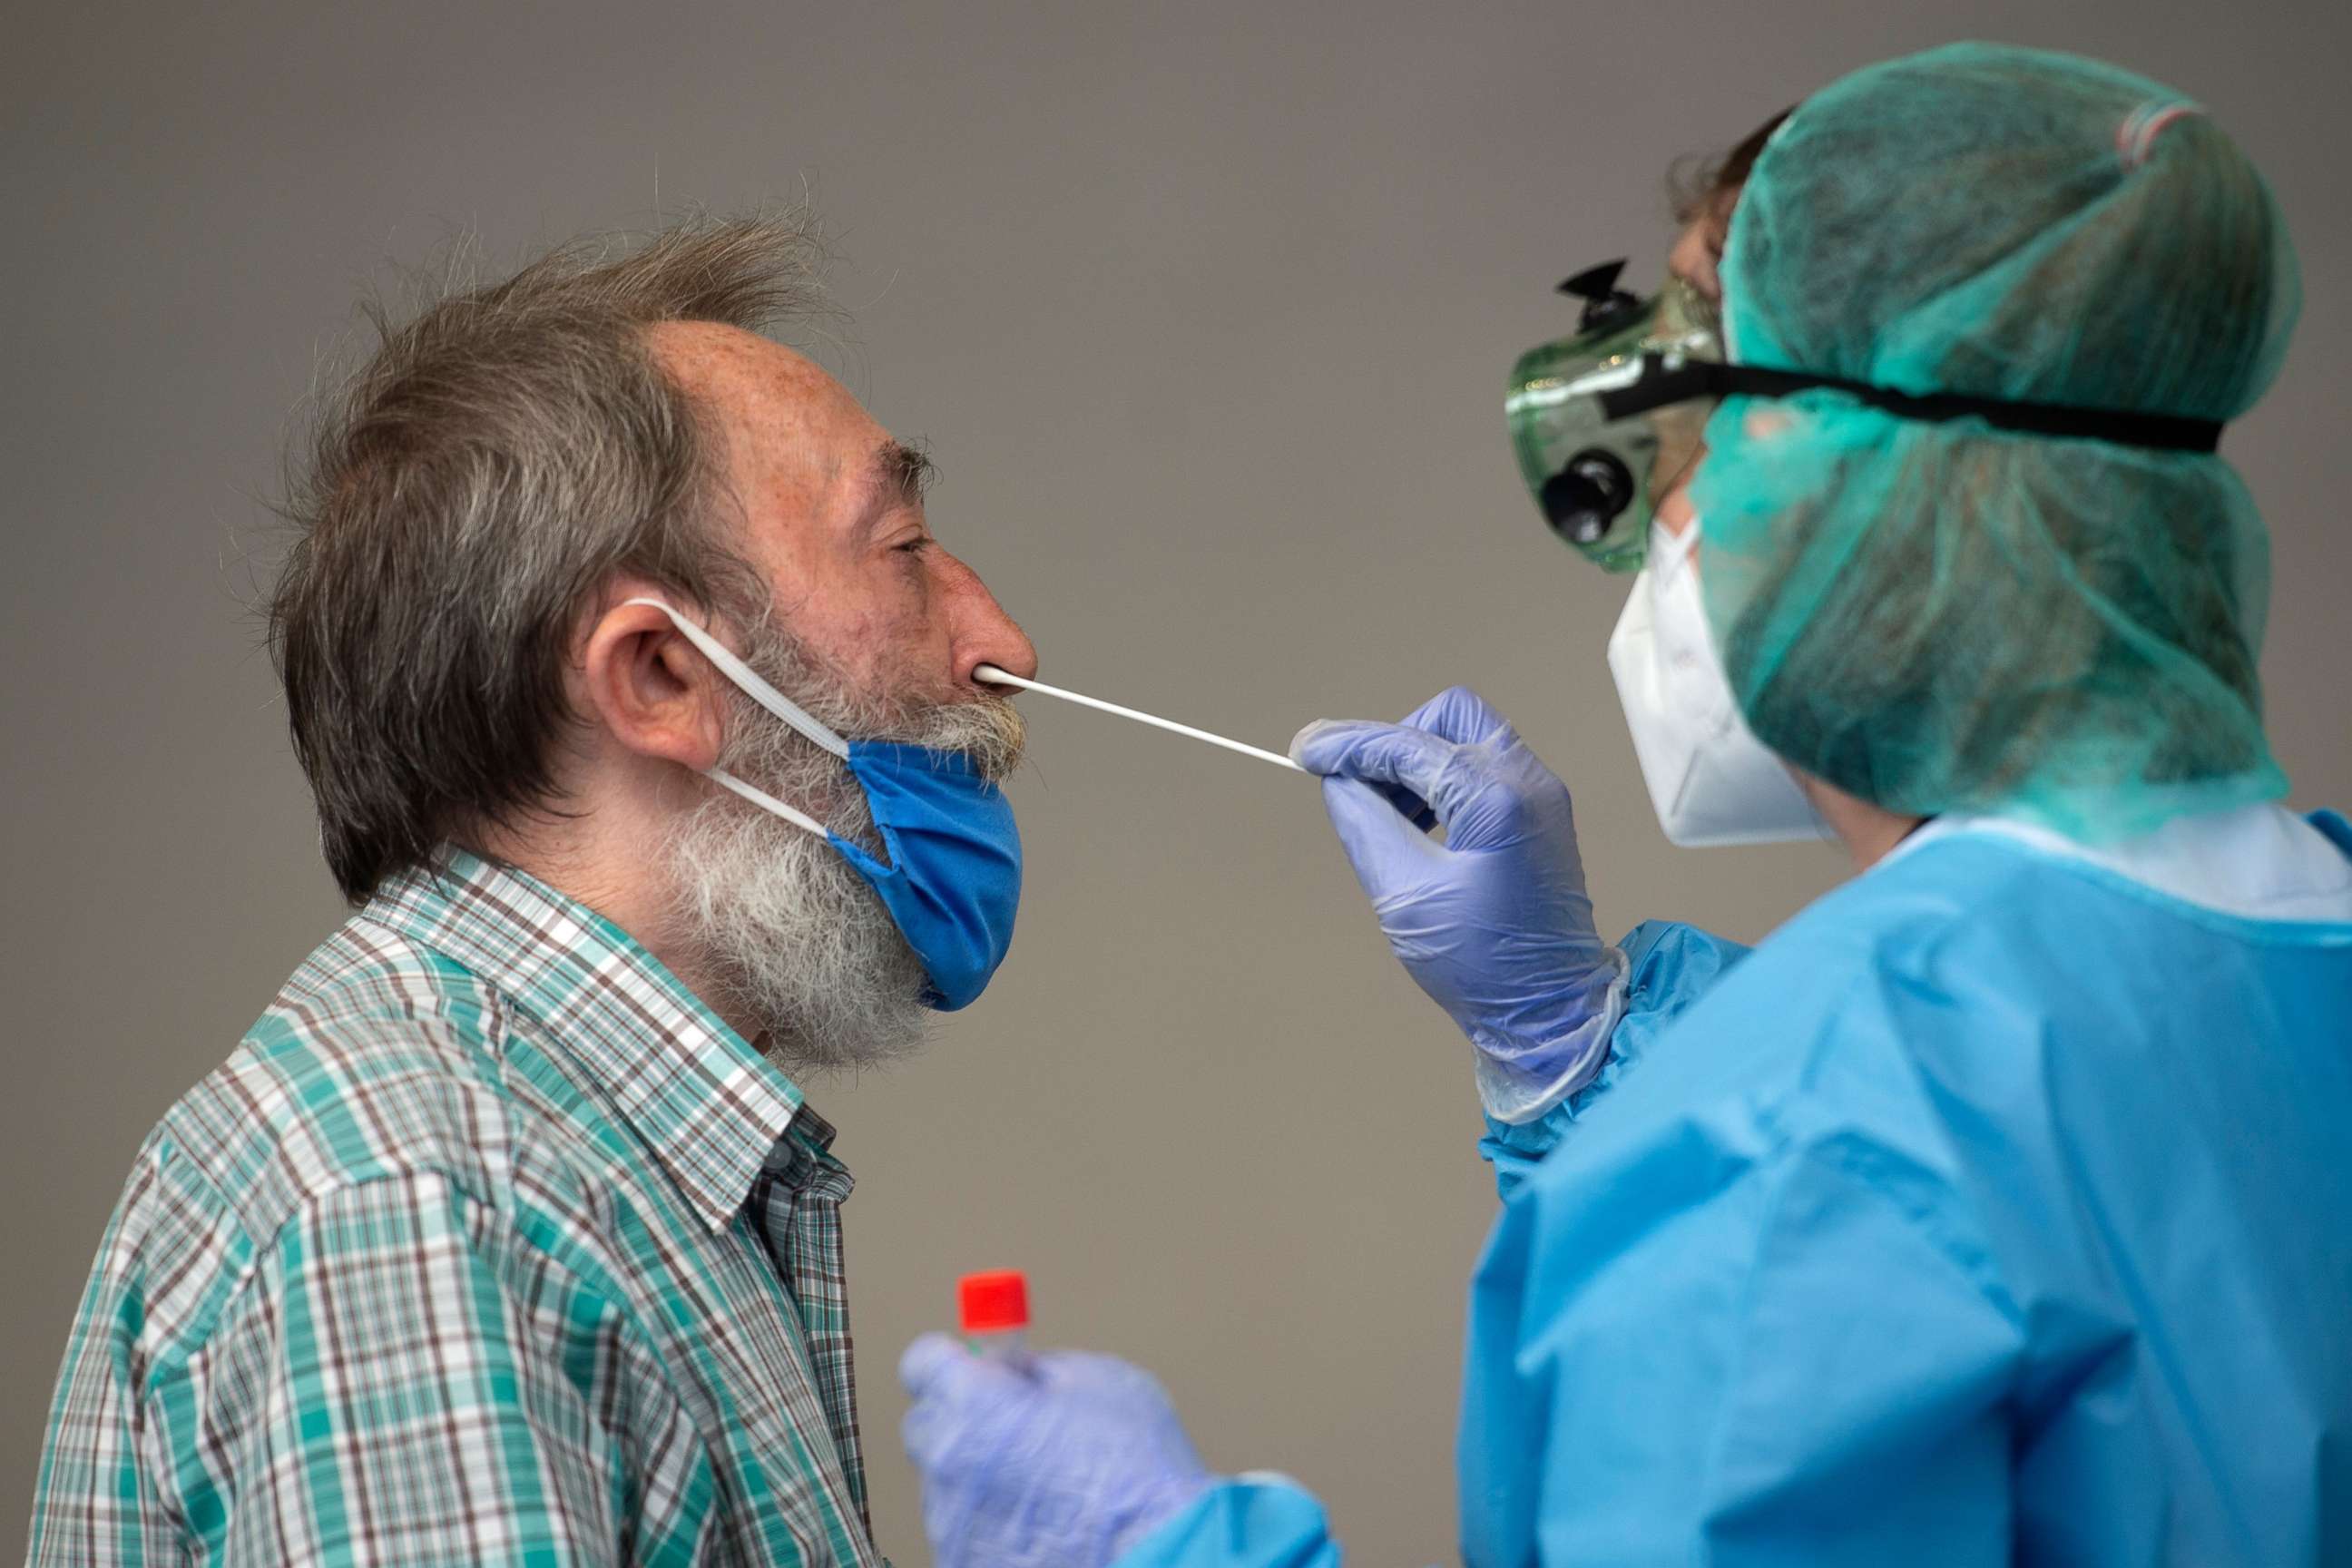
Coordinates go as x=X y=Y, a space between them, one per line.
x=767 y=697
x=1672 y=553
x=759 y=796
x=744 y=676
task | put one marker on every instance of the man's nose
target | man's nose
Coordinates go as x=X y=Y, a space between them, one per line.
x=985 y=633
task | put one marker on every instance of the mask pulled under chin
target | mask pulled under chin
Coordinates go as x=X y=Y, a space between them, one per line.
x=949 y=874
x=1711 y=780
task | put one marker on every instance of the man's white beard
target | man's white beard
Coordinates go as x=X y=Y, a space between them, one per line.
x=792 y=937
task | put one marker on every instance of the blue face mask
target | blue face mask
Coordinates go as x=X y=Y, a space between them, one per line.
x=951 y=880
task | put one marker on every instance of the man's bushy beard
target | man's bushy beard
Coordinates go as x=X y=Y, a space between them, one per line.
x=790 y=934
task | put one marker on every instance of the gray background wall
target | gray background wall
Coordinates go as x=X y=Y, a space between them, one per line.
x=1204 y=310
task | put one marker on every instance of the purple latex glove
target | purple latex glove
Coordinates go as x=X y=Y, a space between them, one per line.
x=1493 y=923
x=1062 y=1458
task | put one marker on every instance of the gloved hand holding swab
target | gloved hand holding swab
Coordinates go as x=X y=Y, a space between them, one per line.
x=995 y=676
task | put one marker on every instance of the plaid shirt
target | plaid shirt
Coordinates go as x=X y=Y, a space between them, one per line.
x=490 y=1244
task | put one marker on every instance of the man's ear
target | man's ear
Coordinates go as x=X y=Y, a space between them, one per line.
x=651 y=690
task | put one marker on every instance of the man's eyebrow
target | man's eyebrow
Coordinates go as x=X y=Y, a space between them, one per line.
x=905 y=472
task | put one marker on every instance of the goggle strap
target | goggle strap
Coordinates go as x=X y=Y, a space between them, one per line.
x=1663 y=381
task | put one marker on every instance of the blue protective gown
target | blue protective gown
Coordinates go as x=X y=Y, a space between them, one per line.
x=1994 y=1210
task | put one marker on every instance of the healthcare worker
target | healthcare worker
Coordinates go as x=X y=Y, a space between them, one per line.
x=1994 y=1208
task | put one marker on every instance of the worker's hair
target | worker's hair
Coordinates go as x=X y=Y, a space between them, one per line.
x=463 y=496
x=1702 y=186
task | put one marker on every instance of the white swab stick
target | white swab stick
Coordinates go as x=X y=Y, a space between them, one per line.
x=996 y=676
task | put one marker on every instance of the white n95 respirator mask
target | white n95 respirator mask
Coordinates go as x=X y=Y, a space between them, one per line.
x=1710 y=779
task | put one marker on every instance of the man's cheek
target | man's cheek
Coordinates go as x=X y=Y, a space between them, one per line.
x=868 y=633
x=914 y=636
x=897 y=653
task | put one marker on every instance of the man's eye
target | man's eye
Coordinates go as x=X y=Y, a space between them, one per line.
x=914 y=547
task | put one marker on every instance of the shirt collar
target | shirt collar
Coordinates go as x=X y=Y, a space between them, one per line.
x=708 y=1105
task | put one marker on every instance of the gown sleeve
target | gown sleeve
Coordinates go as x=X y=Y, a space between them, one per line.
x=1247 y=1522
x=1669 y=966
x=1757 y=1328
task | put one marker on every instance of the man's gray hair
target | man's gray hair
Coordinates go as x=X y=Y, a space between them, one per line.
x=464 y=495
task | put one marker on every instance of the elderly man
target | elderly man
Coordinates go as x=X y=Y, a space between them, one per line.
x=506 y=1234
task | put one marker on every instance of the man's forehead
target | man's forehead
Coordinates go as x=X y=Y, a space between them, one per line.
x=741 y=373
x=777 y=405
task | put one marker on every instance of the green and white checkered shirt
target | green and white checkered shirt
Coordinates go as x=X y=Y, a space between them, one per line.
x=490 y=1244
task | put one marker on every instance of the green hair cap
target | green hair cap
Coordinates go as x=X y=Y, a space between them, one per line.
x=1943 y=617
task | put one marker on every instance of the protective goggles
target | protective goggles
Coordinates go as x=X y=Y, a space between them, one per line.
x=1607 y=421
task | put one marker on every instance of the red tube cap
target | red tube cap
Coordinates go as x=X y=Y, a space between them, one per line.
x=993 y=1302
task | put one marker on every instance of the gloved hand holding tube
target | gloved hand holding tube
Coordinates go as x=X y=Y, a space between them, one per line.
x=1065 y=1458
x=1493 y=923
